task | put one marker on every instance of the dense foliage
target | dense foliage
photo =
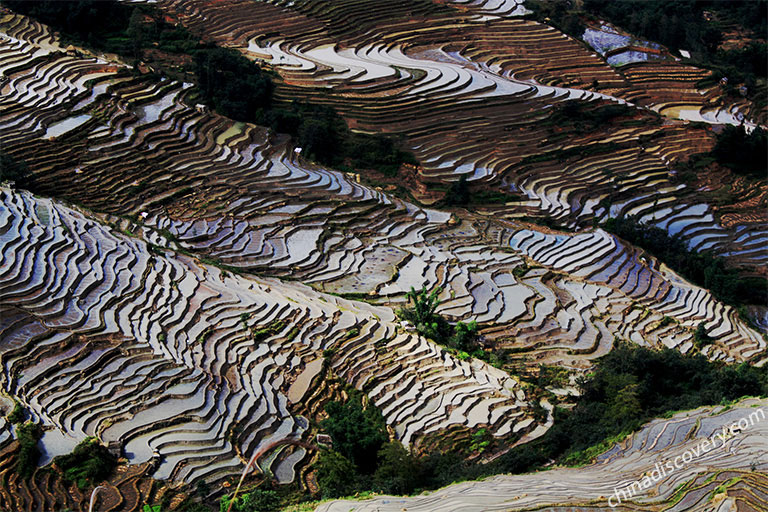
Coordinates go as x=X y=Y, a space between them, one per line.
x=743 y=153
x=257 y=500
x=94 y=23
x=697 y=26
x=680 y=23
x=629 y=386
x=89 y=463
x=557 y=13
x=357 y=432
x=702 y=268
x=232 y=84
x=17 y=414
x=583 y=118
x=14 y=170
x=336 y=475
x=324 y=136
x=28 y=435
x=397 y=472
x=428 y=323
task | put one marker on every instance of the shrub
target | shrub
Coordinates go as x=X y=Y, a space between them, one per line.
x=28 y=434
x=744 y=154
x=89 y=462
x=14 y=170
x=231 y=83
x=16 y=416
x=398 y=470
x=335 y=475
x=258 y=500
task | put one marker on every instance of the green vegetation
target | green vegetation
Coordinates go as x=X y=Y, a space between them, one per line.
x=323 y=135
x=701 y=268
x=14 y=170
x=397 y=471
x=681 y=23
x=89 y=463
x=362 y=458
x=630 y=386
x=258 y=500
x=272 y=328
x=231 y=84
x=28 y=435
x=744 y=154
x=460 y=337
x=336 y=475
x=93 y=23
x=584 y=118
x=357 y=432
x=700 y=337
x=558 y=14
x=461 y=194
x=16 y=416
x=458 y=194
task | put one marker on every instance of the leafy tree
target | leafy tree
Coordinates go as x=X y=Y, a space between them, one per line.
x=700 y=337
x=16 y=416
x=14 y=170
x=319 y=138
x=92 y=22
x=464 y=336
x=357 y=432
x=231 y=83
x=335 y=475
x=29 y=453
x=89 y=462
x=458 y=194
x=135 y=31
x=398 y=470
x=424 y=304
x=745 y=154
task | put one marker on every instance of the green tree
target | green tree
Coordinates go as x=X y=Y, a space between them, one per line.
x=458 y=194
x=135 y=32
x=398 y=470
x=90 y=462
x=336 y=475
x=357 y=432
x=14 y=170
x=231 y=83
x=29 y=453
x=424 y=304
x=464 y=336
x=700 y=337
x=16 y=416
x=743 y=153
x=317 y=136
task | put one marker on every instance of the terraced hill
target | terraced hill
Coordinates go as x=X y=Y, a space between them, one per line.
x=194 y=366
x=452 y=81
x=193 y=290
x=731 y=476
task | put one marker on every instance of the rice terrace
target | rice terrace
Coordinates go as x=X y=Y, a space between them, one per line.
x=369 y=255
